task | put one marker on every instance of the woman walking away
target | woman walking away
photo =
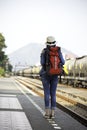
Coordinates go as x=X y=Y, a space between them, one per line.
x=52 y=61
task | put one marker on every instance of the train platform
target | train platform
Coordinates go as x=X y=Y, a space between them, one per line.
x=21 y=109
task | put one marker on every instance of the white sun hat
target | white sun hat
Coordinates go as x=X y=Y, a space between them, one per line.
x=50 y=40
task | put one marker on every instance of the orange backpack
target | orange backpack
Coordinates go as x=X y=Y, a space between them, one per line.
x=53 y=63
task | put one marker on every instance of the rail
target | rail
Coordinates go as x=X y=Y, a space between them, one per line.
x=74 y=108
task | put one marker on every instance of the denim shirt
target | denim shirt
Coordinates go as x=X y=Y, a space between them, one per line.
x=42 y=60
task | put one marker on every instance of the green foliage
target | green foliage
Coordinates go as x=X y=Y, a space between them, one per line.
x=4 y=58
x=10 y=67
x=2 y=72
x=2 y=42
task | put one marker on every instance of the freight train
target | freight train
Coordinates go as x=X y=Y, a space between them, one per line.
x=75 y=72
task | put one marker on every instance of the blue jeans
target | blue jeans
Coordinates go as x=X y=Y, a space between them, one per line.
x=49 y=86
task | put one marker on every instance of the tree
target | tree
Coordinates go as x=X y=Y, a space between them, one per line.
x=3 y=58
x=2 y=42
x=10 y=67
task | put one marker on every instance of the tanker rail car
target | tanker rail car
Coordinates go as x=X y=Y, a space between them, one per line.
x=30 y=72
x=76 y=72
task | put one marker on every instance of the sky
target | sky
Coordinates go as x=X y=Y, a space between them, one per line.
x=31 y=21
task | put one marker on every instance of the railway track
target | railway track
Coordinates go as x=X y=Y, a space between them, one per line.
x=64 y=101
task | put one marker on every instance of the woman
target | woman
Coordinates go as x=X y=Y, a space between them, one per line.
x=49 y=81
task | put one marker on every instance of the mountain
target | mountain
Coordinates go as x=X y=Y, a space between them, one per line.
x=30 y=55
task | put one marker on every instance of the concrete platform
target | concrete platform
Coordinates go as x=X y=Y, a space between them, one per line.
x=20 y=109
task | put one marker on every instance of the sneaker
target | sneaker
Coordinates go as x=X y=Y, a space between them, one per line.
x=52 y=116
x=46 y=116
